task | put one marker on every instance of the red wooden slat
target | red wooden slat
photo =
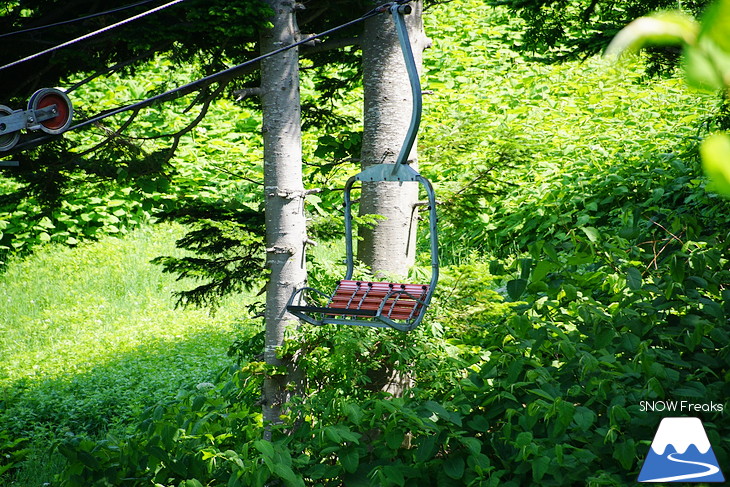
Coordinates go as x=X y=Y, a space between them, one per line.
x=365 y=295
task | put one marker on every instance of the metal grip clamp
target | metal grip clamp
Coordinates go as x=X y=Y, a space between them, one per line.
x=49 y=110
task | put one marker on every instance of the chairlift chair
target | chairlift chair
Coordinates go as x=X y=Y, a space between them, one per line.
x=379 y=304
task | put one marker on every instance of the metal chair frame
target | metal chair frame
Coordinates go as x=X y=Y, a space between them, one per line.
x=334 y=312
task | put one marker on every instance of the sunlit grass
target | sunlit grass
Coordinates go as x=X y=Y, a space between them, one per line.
x=69 y=310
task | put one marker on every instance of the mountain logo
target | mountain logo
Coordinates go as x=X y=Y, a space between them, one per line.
x=681 y=452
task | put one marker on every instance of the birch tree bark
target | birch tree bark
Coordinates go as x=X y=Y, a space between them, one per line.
x=389 y=247
x=284 y=193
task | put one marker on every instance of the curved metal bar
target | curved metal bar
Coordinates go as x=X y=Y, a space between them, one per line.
x=400 y=26
x=349 y=258
x=301 y=292
x=432 y=222
x=433 y=234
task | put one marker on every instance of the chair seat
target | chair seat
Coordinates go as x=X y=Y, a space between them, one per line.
x=394 y=300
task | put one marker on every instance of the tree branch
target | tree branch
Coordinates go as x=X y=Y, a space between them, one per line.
x=330 y=45
x=247 y=93
x=111 y=134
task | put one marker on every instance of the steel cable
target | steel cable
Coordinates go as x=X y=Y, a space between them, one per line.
x=91 y=34
x=71 y=21
x=206 y=81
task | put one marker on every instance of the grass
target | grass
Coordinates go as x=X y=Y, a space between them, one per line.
x=89 y=336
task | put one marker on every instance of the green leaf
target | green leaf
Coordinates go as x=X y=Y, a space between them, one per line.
x=441 y=412
x=332 y=434
x=618 y=413
x=88 y=459
x=394 y=438
x=592 y=233
x=706 y=65
x=691 y=390
x=262 y=476
x=341 y=433
x=523 y=439
x=707 y=61
x=472 y=444
x=198 y=403
x=514 y=370
x=625 y=452
x=542 y=394
x=515 y=288
x=584 y=417
x=287 y=474
x=655 y=386
x=350 y=459
x=454 y=467
x=479 y=423
x=715 y=152
x=663 y=28
x=353 y=412
x=559 y=454
x=394 y=475
x=716 y=24
x=540 y=466
x=264 y=447
x=633 y=278
x=541 y=270
x=426 y=449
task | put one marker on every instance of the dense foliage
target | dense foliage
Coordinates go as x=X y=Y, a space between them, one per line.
x=705 y=63
x=585 y=270
x=558 y=30
x=89 y=338
x=101 y=185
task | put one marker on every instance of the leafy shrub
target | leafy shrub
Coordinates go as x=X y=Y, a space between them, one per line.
x=26 y=223
x=12 y=452
x=191 y=439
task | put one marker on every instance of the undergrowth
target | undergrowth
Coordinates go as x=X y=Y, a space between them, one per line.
x=90 y=337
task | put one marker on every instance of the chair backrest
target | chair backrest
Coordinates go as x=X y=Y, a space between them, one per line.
x=398 y=173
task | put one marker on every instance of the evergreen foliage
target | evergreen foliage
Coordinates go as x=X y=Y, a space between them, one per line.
x=206 y=33
x=227 y=248
x=137 y=153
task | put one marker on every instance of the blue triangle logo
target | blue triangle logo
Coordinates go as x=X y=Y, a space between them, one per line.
x=681 y=452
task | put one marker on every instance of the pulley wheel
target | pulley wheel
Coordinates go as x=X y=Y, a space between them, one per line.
x=46 y=97
x=7 y=141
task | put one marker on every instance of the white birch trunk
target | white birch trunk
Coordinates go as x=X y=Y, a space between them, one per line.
x=284 y=192
x=389 y=247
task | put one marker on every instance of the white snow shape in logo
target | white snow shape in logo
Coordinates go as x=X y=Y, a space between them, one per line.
x=681 y=433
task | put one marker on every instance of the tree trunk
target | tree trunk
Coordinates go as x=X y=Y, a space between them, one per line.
x=284 y=193
x=389 y=247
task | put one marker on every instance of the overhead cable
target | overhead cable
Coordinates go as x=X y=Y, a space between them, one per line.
x=208 y=80
x=71 y=21
x=91 y=34
x=180 y=91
